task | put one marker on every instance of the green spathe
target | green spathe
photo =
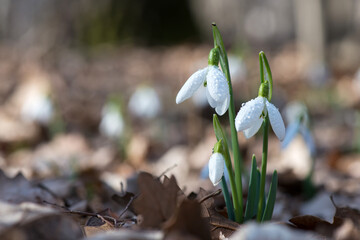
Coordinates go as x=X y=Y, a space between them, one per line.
x=214 y=57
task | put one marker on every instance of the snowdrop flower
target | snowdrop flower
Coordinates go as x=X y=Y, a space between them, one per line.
x=356 y=81
x=211 y=77
x=37 y=108
x=251 y=115
x=145 y=103
x=205 y=172
x=112 y=124
x=298 y=117
x=216 y=168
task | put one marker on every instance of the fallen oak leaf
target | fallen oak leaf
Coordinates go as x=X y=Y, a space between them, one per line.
x=187 y=223
x=218 y=223
x=54 y=226
x=18 y=189
x=347 y=213
x=94 y=226
x=123 y=199
x=309 y=222
x=342 y=214
x=157 y=201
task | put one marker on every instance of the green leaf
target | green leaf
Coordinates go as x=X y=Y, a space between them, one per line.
x=265 y=72
x=253 y=194
x=227 y=198
x=220 y=135
x=271 y=198
x=222 y=140
x=218 y=42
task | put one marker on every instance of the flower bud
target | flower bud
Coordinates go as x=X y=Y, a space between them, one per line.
x=216 y=168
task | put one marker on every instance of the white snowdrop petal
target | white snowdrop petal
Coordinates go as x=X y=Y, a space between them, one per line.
x=276 y=120
x=254 y=128
x=191 y=85
x=223 y=106
x=249 y=113
x=211 y=101
x=216 y=168
x=217 y=84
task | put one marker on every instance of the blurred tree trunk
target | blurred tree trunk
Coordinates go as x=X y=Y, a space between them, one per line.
x=310 y=28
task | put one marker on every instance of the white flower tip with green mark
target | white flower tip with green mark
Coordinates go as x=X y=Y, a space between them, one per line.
x=216 y=168
x=251 y=115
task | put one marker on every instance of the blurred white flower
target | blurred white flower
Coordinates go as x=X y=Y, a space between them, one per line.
x=296 y=110
x=216 y=168
x=217 y=88
x=297 y=117
x=251 y=115
x=237 y=68
x=37 y=107
x=145 y=103
x=356 y=81
x=112 y=123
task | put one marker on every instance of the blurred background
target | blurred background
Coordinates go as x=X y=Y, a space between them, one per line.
x=92 y=84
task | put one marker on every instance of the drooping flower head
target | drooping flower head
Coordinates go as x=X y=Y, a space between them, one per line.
x=252 y=114
x=211 y=77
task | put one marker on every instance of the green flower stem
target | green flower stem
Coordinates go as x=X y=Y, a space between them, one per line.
x=238 y=217
x=220 y=135
x=237 y=160
x=218 y=42
x=228 y=203
x=263 y=170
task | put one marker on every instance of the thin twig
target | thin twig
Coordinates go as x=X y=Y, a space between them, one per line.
x=213 y=194
x=127 y=206
x=68 y=211
x=108 y=218
x=167 y=170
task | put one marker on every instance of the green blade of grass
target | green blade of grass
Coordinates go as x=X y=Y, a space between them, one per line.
x=253 y=193
x=271 y=198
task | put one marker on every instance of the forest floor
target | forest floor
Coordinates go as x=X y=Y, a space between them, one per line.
x=63 y=179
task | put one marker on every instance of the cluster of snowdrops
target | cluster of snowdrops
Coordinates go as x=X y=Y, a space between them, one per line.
x=251 y=116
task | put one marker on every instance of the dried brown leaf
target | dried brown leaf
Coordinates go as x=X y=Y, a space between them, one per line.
x=308 y=222
x=218 y=222
x=104 y=227
x=343 y=213
x=19 y=189
x=187 y=223
x=157 y=201
x=54 y=227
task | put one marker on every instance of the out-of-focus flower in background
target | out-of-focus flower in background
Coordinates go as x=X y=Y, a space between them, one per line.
x=356 y=81
x=237 y=67
x=112 y=123
x=298 y=118
x=37 y=107
x=145 y=102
